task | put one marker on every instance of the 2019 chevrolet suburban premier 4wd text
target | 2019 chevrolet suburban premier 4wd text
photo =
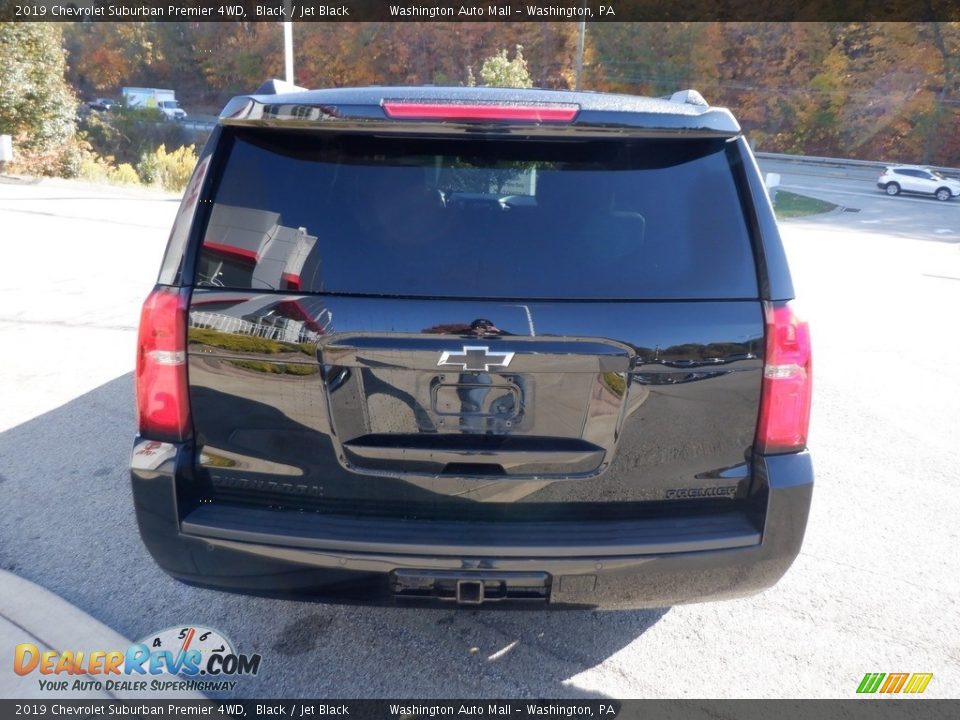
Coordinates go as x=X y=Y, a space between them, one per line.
x=474 y=345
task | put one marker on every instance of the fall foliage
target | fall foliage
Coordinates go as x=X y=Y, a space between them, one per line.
x=879 y=91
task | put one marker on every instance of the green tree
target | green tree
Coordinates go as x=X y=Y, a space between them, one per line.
x=499 y=71
x=37 y=107
x=126 y=134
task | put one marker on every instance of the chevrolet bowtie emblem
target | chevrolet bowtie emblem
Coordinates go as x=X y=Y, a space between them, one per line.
x=475 y=358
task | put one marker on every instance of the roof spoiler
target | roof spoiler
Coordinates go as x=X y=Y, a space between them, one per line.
x=278 y=87
x=374 y=108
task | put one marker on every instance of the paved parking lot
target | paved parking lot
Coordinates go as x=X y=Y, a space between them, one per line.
x=876 y=588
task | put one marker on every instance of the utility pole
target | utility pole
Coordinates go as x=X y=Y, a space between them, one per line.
x=580 y=35
x=288 y=43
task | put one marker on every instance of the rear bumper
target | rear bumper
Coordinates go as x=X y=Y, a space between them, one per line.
x=649 y=565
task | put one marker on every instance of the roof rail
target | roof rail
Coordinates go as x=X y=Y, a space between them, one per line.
x=688 y=97
x=278 y=87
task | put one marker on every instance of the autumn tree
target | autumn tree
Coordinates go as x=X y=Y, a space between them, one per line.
x=880 y=91
x=105 y=55
x=647 y=58
x=37 y=107
x=237 y=57
x=943 y=131
x=331 y=55
x=499 y=71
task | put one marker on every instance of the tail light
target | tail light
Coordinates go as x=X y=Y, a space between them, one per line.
x=476 y=112
x=163 y=411
x=787 y=383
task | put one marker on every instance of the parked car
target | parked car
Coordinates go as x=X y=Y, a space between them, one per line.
x=103 y=104
x=596 y=396
x=920 y=180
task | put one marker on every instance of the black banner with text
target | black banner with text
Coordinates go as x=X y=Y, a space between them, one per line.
x=476 y=10
x=888 y=709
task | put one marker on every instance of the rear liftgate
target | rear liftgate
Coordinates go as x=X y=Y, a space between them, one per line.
x=500 y=417
x=527 y=411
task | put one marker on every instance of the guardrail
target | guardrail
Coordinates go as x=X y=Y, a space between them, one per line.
x=198 y=124
x=842 y=162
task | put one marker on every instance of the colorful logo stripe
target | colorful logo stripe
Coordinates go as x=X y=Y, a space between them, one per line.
x=894 y=683
x=918 y=682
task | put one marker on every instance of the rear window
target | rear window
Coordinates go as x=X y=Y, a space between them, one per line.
x=478 y=218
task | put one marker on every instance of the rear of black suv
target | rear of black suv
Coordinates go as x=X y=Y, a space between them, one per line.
x=474 y=345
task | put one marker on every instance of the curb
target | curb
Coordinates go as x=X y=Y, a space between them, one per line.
x=18 y=179
x=30 y=613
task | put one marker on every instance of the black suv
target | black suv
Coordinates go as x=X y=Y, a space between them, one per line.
x=474 y=345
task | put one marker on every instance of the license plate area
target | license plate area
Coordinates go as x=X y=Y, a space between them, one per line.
x=476 y=396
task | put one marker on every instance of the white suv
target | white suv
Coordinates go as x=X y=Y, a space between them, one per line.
x=913 y=179
x=172 y=109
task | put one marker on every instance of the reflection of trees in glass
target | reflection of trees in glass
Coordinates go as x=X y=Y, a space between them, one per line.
x=697 y=352
x=274 y=368
x=466 y=175
x=246 y=343
x=257 y=345
x=491 y=177
x=213 y=460
x=615 y=383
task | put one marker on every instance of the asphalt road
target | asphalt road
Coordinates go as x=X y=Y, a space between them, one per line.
x=875 y=589
x=855 y=190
